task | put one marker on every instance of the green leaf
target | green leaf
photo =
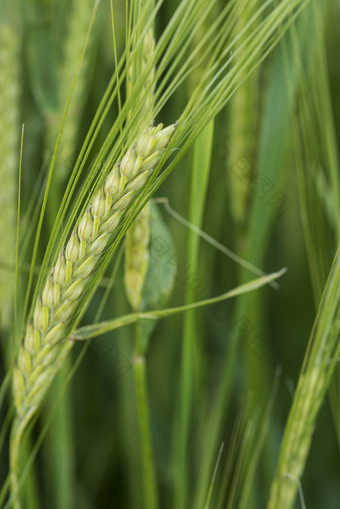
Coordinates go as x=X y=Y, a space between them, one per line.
x=190 y=338
x=161 y=274
x=92 y=331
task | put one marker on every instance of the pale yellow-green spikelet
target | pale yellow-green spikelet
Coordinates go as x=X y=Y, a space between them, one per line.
x=138 y=236
x=47 y=337
x=137 y=257
x=9 y=157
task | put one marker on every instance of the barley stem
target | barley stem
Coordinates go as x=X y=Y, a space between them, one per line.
x=148 y=467
x=18 y=429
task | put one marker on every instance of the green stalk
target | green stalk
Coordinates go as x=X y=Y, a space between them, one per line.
x=16 y=437
x=272 y=162
x=242 y=134
x=18 y=429
x=31 y=491
x=147 y=462
x=190 y=346
x=60 y=440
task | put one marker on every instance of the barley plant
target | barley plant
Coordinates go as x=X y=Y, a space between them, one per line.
x=163 y=165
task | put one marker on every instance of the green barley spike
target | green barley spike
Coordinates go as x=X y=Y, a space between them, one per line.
x=47 y=338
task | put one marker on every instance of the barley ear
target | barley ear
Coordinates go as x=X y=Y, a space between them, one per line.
x=138 y=236
x=77 y=27
x=243 y=122
x=9 y=150
x=47 y=337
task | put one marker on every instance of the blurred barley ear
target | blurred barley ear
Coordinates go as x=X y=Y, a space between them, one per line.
x=9 y=157
x=242 y=122
x=77 y=28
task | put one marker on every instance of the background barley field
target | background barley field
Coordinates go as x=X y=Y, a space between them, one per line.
x=196 y=363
